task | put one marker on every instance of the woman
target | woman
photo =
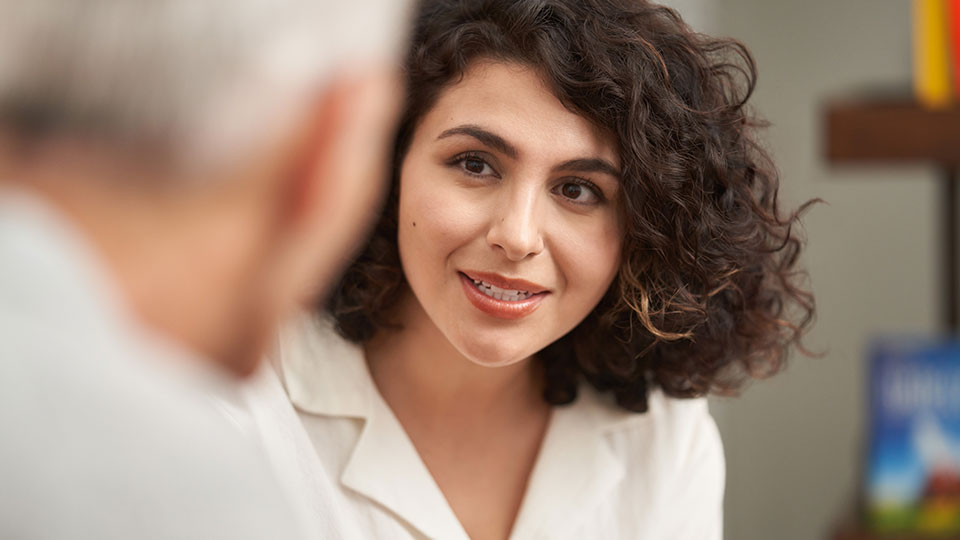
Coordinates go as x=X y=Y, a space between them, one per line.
x=581 y=233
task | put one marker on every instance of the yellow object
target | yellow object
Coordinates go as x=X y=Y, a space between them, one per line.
x=931 y=55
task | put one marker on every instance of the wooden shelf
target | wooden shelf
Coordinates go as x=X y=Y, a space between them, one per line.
x=860 y=534
x=889 y=132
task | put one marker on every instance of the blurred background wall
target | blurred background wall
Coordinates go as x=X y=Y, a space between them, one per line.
x=794 y=443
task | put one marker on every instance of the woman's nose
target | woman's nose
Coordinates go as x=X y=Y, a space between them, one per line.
x=515 y=226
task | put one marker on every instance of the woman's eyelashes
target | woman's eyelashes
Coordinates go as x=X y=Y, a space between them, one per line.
x=574 y=190
x=473 y=164
x=580 y=191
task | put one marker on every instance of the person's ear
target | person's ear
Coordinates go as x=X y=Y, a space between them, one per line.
x=338 y=174
x=308 y=185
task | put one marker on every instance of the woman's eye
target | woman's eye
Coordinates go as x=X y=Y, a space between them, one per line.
x=476 y=166
x=579 y=193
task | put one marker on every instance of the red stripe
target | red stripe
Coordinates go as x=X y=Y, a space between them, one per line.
x=954 y=37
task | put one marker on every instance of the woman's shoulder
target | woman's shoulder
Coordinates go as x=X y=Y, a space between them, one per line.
x=672 y=467
x=674 y=436
x=669 y=415
x=681 y=422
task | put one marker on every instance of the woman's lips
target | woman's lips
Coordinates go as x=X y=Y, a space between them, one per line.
x=504 y=283
x=502 y=309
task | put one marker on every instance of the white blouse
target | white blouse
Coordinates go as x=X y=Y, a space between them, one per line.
x=602 y=472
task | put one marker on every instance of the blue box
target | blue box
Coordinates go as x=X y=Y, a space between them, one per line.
x=913 y=469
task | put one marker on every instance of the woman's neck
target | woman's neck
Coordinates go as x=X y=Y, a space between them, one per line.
x=421 y=375
x=477 y=429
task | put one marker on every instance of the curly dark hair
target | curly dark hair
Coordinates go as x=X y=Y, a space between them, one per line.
x=707 y=295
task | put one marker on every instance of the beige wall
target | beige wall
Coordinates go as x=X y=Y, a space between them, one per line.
x=793 y=443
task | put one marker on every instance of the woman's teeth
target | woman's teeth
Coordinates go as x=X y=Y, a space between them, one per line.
x=501 y=294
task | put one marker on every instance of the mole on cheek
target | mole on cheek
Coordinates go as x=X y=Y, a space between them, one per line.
x=414 y=223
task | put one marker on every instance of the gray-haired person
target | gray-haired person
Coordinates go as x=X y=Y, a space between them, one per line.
x=176 y=176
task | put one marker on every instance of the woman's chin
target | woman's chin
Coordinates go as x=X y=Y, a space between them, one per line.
x=493 y=354
x=497 y=362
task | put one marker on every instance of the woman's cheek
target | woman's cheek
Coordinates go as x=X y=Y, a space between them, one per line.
x=589 y=255
x=445 y=216
x=608 y=250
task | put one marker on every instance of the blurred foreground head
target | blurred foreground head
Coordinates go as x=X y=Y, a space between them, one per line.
x=221 y=156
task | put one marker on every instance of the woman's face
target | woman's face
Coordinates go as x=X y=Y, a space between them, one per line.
x=508 y=226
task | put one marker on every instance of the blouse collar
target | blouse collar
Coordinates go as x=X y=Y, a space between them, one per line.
x=323 y=373
x=575 y=471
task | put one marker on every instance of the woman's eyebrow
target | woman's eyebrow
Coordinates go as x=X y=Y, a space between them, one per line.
x=589 y=165
x=486 y=137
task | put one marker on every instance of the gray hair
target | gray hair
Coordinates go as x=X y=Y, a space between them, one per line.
x=204 y=79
